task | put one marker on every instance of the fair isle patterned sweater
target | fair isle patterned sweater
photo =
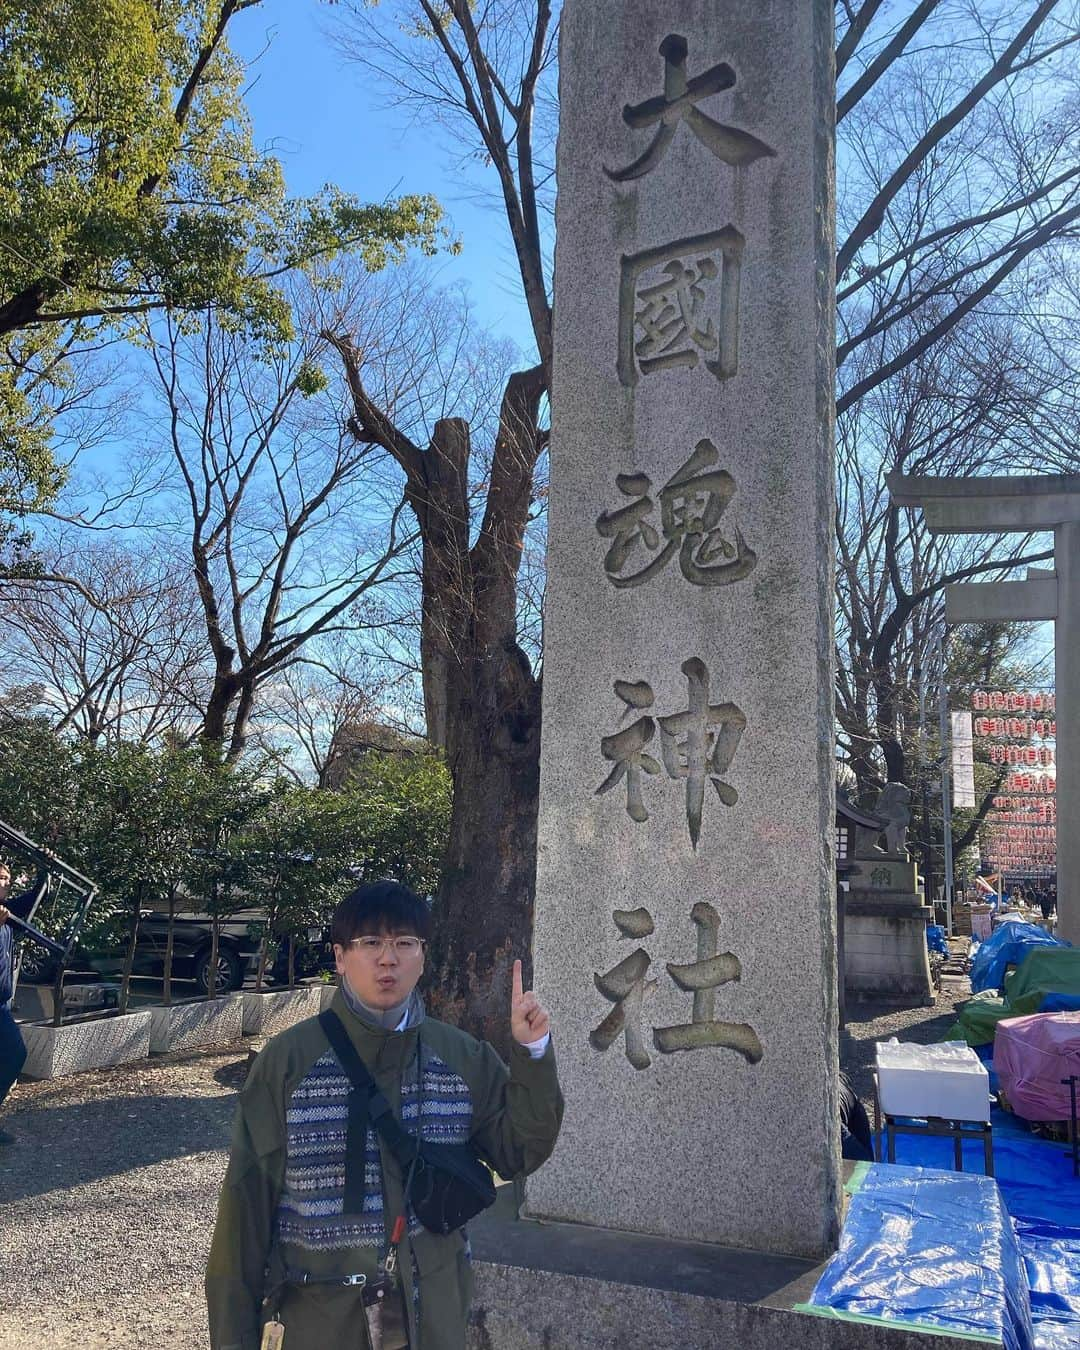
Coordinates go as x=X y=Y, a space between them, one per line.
x=311 y=1213
x=282 y=1206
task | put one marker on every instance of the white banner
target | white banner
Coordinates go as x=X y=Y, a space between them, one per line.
x=963 y=760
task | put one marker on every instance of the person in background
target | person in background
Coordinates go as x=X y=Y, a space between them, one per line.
x=12 y=1049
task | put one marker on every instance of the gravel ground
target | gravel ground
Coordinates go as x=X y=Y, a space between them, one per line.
x=108 y=1200
x=108 y=1197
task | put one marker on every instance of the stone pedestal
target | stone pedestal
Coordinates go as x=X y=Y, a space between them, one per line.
x=267 y=1014
x=187 y=1026
x=685 y=922
x=885 y=952
x=568 y=1287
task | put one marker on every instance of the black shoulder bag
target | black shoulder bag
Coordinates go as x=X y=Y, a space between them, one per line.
x=446 y=1184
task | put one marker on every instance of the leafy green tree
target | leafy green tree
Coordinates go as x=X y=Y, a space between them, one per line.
x=138 y=837
x=230 y=798
x=42 y=788
x=298 y=850
x=129 y=182
x=398 y=809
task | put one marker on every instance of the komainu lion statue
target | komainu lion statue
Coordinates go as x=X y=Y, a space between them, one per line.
x=893 y=807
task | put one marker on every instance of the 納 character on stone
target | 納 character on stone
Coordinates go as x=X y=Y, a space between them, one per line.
x=678 y=103
x=626 y=749
x=702 y=978
x=679 y=304
x=700 y=743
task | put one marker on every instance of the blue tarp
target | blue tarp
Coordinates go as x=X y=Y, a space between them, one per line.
x=1043 y=1200
x=1006 y=946
x=1060 y=1003
x=935 y=939
x=934 y=1248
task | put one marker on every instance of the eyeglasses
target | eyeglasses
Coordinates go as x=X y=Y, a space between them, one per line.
x=402 y=947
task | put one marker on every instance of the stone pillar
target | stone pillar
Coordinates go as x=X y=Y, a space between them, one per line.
x=1067 y=685
x=685 y=929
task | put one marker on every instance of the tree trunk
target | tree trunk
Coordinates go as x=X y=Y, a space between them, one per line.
x=264 y=951
x=239 y=735
x=888 y=730
x=129 y=958
x=481 y=698
x=58 y=995
x=292 y=960
x=447 y=594
x=484 y=909
x=166 y=979
x=216 y=717
x=211 y=982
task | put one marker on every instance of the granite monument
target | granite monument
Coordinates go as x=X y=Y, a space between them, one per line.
x=685 y=928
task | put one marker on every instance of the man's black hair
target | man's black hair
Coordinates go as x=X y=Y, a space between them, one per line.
x=379 y=907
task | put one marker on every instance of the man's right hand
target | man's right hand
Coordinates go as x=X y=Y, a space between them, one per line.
x=5 y=914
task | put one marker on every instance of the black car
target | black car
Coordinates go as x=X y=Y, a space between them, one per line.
x=238 y=951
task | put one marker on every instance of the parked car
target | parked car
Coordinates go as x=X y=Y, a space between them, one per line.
x=314 y=956
x=238 y=951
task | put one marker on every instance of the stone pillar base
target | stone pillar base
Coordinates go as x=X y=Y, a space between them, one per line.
x=550 y=1286
x=885 y=955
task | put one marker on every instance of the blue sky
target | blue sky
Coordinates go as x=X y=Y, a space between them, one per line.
x=327 y=121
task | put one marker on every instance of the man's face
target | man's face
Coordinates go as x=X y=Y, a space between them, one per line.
x=382 y=971
x=5 y=882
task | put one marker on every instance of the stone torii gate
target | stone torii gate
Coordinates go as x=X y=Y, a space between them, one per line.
x=1018 y=505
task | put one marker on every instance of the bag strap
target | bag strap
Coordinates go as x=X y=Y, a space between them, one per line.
x=371 y=1103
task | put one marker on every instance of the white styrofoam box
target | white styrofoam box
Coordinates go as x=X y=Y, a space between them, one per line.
x=946 y=1080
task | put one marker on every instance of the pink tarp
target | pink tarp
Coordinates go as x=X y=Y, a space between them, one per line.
x=1031 y=1057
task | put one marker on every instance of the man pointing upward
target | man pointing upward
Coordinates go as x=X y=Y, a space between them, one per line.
x=317 y=1244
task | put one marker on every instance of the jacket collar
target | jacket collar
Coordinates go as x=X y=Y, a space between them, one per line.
x=380 y=1047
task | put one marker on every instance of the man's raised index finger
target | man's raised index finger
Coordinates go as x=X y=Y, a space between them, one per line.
x=518 y=989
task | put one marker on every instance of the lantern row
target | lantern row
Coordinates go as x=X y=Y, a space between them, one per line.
x=996 y=700
x=1045 y=728
x=1029 y=755
x=1040 y=784
x=1030 y=834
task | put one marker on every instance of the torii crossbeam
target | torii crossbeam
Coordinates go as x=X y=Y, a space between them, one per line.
x=1018 y=505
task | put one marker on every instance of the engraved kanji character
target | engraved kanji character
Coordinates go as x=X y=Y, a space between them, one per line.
x=701 y=742
x=672 y=316
x=625 y=985
x=678 y=103
x=691 y=504
x=627 y=527
x=679 y=303
x=626 y=749
x=702 y=978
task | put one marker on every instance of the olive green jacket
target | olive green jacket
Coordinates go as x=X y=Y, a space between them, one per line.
x=287 y=1106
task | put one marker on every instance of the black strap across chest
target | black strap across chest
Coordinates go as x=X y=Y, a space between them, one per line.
x=367 y=1104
